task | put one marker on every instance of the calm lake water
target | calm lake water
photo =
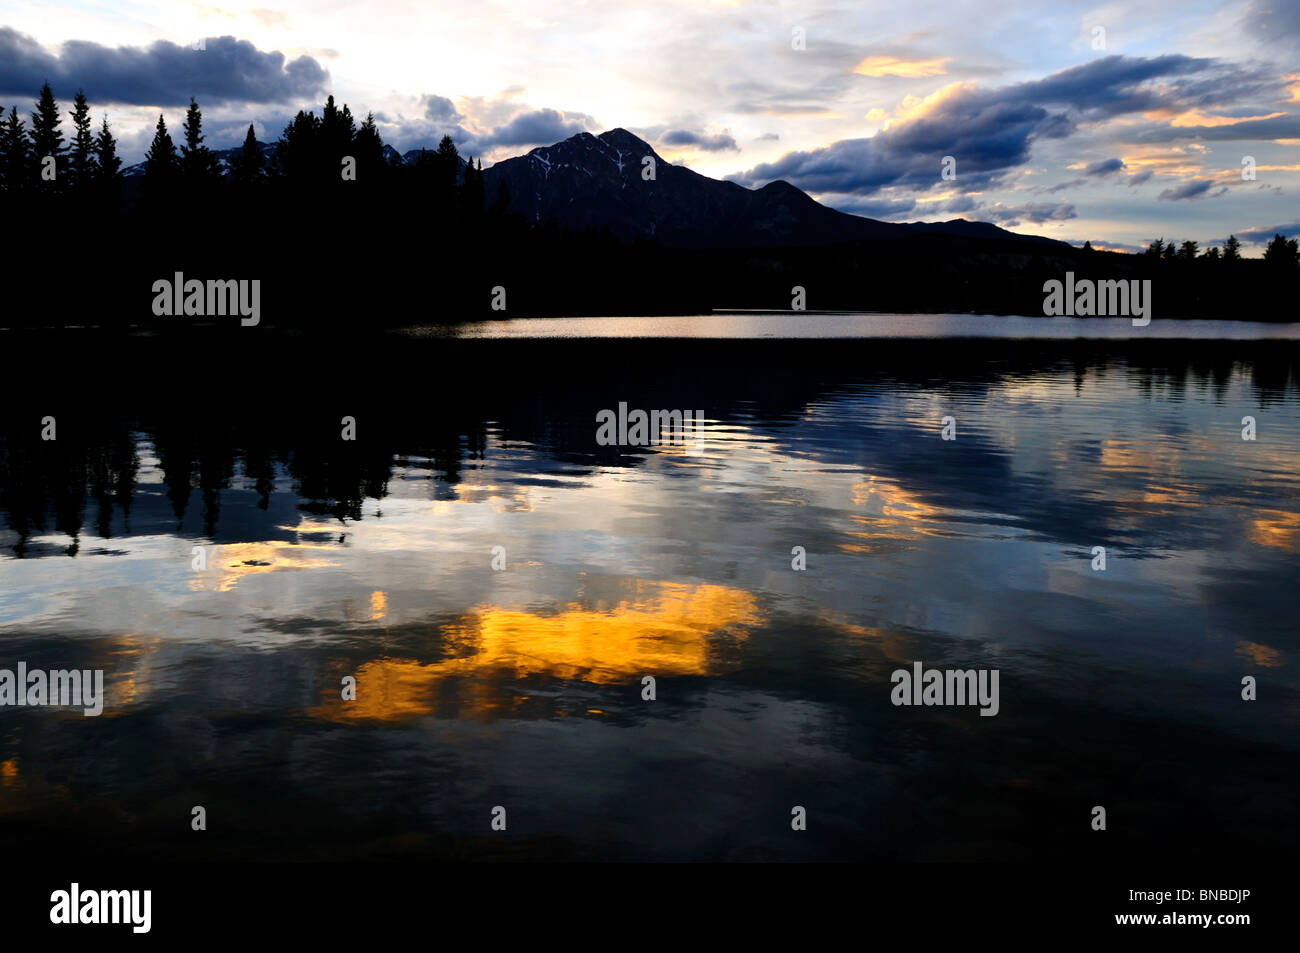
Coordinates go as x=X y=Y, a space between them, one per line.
x=522 y=688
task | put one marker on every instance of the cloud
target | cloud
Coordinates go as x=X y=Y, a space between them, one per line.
x=1104 y=167
x=164 y=74
x=537 y=127
x=269 y=18
x=882 y=208
x=1035 y=212
x=708 y=142
x=962 y=203
x=992 y=131
x=896 y=66
x=1194 y=189
x=1275 y=22
x=1273 y=127
x=479 y=126
x=768 y=137
x=441 y=109
x=1137 y=178
x=1260 y=236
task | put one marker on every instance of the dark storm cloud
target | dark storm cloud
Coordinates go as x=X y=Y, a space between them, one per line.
x=991 y=131
x=164 y=74
x=709 y=142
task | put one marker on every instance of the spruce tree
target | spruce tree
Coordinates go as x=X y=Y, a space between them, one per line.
x=446 y=173
x=47 y=140
x=161 y=165
x=1281 y=253
x=297 y=153
x=107 y=164
x=1232 y=249
x=20 y=170
x=199 y=165
x=369 y=151
x=108 y=167
x=249 y=164
x=82 y=159
x=16 y=172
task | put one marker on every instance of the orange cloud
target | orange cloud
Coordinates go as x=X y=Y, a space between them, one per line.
x=894 y=66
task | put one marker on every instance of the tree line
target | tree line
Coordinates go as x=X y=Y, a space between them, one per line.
x=39 y=160
x=1280 y=252
x=313 y=152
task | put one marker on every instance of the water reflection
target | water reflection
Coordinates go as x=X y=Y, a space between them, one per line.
x=373 y=560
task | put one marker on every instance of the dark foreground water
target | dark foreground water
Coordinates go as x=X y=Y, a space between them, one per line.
x=522 y=688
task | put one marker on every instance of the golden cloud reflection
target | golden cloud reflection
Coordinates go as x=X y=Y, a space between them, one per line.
x=662 y=629
x=1277 y=529
x=1262 y=655
x=892 y=513
x=235 y=561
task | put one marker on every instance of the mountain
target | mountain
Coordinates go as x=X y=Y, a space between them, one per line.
x=593 y=181
x=590 y=181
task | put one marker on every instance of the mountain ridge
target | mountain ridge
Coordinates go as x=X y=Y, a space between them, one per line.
x=604 y=181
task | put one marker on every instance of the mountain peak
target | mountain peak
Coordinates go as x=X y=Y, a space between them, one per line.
x=620 y=138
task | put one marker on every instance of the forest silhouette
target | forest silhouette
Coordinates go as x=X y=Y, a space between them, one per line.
x=345 y=236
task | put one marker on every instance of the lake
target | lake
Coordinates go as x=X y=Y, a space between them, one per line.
x=787 y=324
x=513 y=677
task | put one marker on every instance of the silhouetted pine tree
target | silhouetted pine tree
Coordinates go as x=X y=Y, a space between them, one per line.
x=338 y=130
x=47 y=140
x=161 y=166
x=199 y=166
x=297 y=154
x=17 y=172
x=369 y=150
x=446 y=173
x=81 y=164
x=108 y=167
x=473 y=190
x=1232 y=249
x=249 y=165
x=1281 y=253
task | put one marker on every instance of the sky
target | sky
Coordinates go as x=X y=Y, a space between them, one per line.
x=1112 y=122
